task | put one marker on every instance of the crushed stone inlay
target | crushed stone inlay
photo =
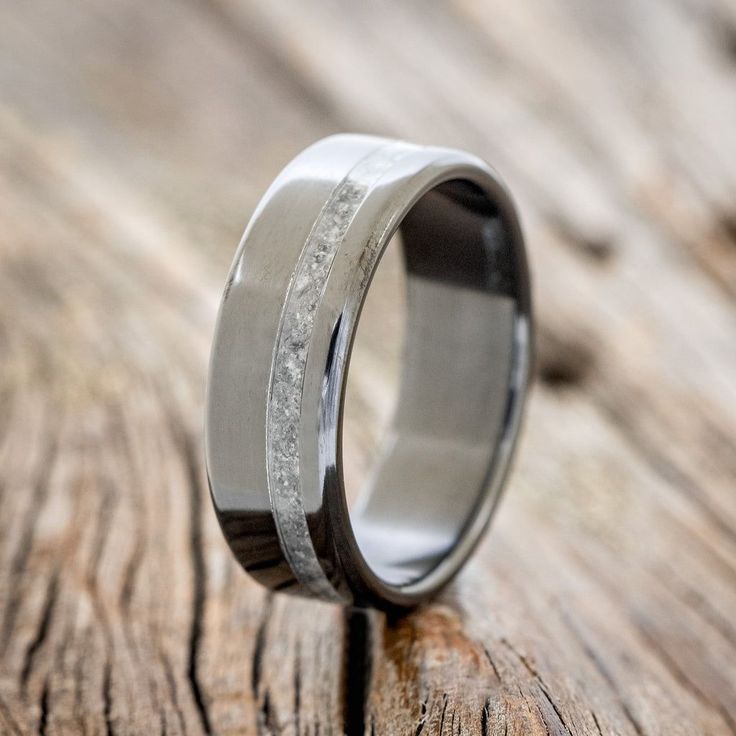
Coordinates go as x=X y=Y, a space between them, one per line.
x=290 y=359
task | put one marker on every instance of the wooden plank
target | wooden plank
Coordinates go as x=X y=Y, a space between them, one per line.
x=135 y=139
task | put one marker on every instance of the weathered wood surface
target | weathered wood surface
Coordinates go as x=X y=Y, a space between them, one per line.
x=135 y=139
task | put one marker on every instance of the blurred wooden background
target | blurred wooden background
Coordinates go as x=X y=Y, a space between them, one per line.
x=135 y=140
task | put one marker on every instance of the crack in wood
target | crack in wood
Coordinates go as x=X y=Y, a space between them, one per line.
x=260 y=645
x=487 y=652
x=595 y=720
x=266 y=715
x=357 y=669
x=28 y=524
x=41 y=632
x=554 y=705
x=423 y=716
x=107 y=699
x=189 y=456
x=445 y=700
x=43 y=717
x=297 y=687
x=543 y=688
x=485 y=716
x=173 y=690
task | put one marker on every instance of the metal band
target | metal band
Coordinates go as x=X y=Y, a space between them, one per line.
x=280 y=358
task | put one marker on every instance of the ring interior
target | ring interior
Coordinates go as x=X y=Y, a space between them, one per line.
x=464 y=286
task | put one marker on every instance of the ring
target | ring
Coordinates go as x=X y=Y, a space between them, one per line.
x=280 y=359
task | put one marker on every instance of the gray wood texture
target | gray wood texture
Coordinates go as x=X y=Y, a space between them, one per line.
x=135 y=140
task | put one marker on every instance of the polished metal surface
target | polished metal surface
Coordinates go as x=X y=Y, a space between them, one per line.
x=280 y=359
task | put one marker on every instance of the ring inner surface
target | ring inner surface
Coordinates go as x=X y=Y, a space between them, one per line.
x=434 y=465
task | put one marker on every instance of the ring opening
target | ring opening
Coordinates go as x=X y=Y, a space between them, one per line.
x=464 y=291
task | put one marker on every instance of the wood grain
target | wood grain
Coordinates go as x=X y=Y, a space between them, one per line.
x=135 y=140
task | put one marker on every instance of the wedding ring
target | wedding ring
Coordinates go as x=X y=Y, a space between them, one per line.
x=280 y=359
